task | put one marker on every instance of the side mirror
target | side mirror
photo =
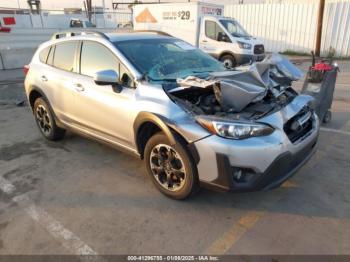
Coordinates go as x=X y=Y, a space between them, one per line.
x=222 y=37
x=108 y=77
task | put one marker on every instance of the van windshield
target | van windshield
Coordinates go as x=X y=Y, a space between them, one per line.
x=167 y=59
x=234 y=28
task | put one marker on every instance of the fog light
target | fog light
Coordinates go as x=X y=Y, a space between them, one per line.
x=243 y=175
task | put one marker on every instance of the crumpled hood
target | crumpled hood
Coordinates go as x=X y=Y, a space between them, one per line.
x=237 y=89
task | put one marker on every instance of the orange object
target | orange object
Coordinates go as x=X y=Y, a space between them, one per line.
x=145 y=17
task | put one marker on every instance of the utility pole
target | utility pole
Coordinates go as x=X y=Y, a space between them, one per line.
x=319 y=27
x=104 y=12
x=89 y=8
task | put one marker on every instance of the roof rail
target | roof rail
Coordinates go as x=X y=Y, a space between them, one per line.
x=152 y=31
x=63 y=34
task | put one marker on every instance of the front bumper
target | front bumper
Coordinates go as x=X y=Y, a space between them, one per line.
x=259 y=163
x=281 y=169
x=242 y=59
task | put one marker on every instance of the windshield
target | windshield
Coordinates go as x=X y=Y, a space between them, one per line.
x=167 y=59
x=234 y=28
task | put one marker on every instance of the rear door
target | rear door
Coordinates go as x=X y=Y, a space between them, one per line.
x=101 y=110
x=58 y=77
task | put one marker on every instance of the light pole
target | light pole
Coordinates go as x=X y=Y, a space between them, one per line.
x=319 y=27
x=19 y=6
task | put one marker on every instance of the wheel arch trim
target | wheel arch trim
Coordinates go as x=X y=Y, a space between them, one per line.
x=160 y=121
x=41 y=92
x=36 y=89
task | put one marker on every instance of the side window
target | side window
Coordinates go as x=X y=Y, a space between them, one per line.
x=64 y=55
x=96 y=57
x=43 y=54
x=212 y=30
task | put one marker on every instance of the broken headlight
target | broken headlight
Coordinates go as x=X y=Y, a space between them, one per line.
x=234 y=130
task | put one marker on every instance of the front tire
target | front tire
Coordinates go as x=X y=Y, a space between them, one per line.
x=171 y=167
x=46 y=122
x=229 y=61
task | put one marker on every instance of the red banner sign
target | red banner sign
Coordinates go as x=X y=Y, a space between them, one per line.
x=9 y=20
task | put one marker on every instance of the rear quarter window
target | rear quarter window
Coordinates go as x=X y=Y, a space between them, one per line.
x=43 y=54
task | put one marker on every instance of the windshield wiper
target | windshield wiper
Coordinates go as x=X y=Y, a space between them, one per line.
x=205 y=71
x=164 y=80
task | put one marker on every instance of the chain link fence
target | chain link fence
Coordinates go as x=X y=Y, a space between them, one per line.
x=23 y=18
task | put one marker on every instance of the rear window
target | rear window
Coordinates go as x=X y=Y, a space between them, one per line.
x=43 y=54
x=64 y=56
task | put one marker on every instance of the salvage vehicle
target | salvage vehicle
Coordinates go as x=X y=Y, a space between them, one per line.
x=192 y=120
x=204 y=26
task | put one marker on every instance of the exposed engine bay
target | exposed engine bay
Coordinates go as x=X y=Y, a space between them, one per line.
x=249 y=92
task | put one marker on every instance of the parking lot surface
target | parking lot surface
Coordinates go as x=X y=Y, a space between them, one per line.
x=80 y=197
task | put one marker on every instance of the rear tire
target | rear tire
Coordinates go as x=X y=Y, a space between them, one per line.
x=45 y=120
x=229 y=61
x=171 y=167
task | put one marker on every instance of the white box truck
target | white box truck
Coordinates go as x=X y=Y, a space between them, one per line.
x=204 y=26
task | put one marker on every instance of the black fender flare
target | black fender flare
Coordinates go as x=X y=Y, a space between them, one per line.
x=166 y=126
x=158 y=120
x=41 y=92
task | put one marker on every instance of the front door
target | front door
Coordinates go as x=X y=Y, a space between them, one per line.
x=101 y=110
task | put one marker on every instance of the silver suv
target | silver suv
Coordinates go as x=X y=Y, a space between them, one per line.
x=193 y=121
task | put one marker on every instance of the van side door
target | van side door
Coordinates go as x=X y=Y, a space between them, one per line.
x=213 y=39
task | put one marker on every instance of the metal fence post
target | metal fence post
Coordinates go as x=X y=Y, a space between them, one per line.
x=2 y=62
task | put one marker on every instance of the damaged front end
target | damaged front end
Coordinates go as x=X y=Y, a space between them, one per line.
x=243 y=95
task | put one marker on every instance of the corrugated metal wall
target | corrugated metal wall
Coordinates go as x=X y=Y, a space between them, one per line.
x=336 y=29
x=293 y=26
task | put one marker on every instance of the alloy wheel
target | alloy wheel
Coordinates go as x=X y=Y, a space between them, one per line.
x=43 y=119
x=167 y=167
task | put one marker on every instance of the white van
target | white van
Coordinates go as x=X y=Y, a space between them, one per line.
x=202 y=25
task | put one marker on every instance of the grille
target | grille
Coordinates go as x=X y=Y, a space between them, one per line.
x=259 y=49
x=300 y=125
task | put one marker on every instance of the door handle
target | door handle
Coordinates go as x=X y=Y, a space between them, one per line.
x=204 y=41
x=79 y=87
x=44 y=78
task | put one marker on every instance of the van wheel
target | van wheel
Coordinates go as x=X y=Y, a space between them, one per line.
x=46 y=121
x=229 y=61
x=171 y=167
